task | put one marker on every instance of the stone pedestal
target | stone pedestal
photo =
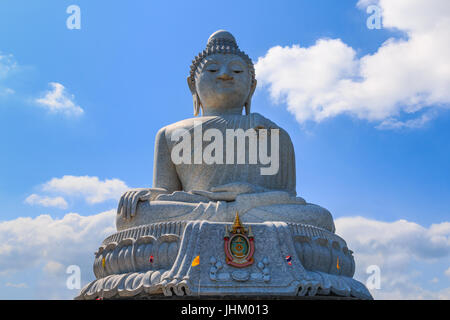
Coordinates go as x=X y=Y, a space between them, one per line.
x=157 y=259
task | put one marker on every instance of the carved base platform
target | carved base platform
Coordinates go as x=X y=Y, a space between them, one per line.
x=160 y=297
x=157 y=260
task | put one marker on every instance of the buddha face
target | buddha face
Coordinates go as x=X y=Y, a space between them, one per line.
x=223 y=83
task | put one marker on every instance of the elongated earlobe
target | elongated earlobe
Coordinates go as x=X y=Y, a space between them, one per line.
x=248 y=106
x=197 y=104
x=195 y=97
x=248 y=103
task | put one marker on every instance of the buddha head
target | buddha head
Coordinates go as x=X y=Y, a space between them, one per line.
x=222 y=78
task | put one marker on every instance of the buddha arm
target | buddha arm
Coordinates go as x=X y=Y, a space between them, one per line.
x=164 y=173
x=165 y=180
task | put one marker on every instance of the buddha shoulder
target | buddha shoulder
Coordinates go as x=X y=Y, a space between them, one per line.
x=251 y=121
x=165 y=133
x=185 y=124
x=262 y=122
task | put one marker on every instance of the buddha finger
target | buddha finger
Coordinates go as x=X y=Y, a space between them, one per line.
x=134 y=203
x=229 y=187
x=148 y=196
x=130 y=203
x=119 y=207
x=217 y=196
x=224 y=188
x=224 y=196
x=123 y=209
x=125 y=205
x=123 y=202
x=206 y=194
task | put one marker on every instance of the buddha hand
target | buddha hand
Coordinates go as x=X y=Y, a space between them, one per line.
x=229 y=192
x=129 y=200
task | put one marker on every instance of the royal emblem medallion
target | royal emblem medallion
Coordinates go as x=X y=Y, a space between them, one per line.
x=239 y=244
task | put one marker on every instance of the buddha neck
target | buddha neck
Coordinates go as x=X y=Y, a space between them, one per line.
x=222 y=111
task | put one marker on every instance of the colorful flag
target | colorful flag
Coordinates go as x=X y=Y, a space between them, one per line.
x=337 y=264
x=289 y=260
x=196 y=261
x=151 y=259
x=103 y=262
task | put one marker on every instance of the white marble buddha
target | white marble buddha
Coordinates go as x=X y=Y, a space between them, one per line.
x=222 y=82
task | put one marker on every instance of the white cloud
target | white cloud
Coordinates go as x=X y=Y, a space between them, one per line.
x=53 y=267
x=404 y=77
x=91 y=188
x=7 y=66
x=58 y=100
x=401 y=249
x=6 y=92
x=447 y=272
x=26 y=242
x=16 y=285
x=45 y=247
x=58 y=202
x=42 y=248
x=392 y=123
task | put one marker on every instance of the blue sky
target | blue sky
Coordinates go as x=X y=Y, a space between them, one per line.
x=127 y=67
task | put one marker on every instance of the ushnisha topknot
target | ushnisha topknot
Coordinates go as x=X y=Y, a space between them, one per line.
x=223 y=42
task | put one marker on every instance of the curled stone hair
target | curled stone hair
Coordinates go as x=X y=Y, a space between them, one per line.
x=219 y=42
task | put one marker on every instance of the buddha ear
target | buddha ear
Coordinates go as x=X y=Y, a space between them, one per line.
x=195 y=97
x=197 y=104
x=248 y=103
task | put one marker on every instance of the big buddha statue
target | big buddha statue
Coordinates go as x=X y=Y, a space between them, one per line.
x=223 y=216
x=222 y=82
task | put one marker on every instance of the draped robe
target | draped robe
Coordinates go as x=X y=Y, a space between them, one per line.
x=273 y=197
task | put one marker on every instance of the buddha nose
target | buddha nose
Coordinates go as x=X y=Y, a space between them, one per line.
x=224 y=76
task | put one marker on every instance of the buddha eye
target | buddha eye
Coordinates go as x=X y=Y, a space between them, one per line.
x=212 y=67
x=237 y=71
